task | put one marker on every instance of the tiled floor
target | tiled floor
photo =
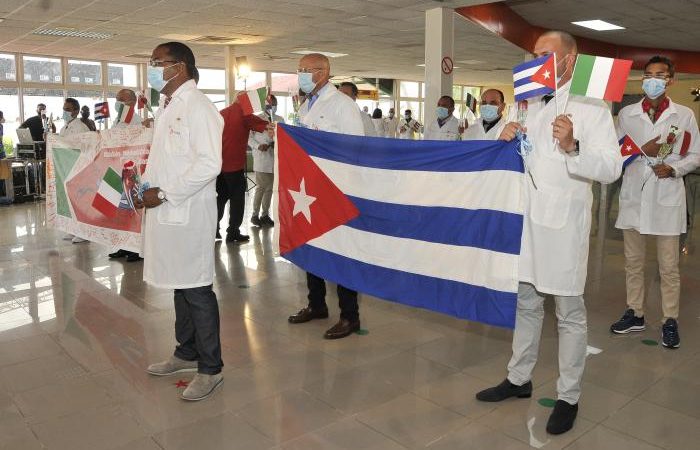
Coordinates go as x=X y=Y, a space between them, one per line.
x=77 y=331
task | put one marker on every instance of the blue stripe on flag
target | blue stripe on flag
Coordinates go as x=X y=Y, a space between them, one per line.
x=396 y=154
x=534 y=93
x=491 y=230
x=449 y=297
x=628 y=160
x=530 y=64
x=521 y=82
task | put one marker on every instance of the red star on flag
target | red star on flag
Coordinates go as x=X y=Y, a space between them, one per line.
x=310 y=204
x=628 y=147
x=544 y=76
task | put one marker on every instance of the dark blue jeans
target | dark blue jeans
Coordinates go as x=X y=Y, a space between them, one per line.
x=197 y=328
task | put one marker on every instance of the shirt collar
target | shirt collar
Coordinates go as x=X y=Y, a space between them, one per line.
x=184 y=87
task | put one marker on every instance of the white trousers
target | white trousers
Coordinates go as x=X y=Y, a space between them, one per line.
x=573 y=339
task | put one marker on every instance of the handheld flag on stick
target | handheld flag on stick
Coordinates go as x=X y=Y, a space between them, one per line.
x=534 y=78
x=471 y=103
x=598 y=77
x=628 y=150
x=125 y=113
x=101 y=110
x=253 y=101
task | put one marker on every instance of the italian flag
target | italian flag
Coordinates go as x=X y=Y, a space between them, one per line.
x=148 y=98
x=252 y=101
x=109 y=193
x=125 y=113
x=598 y=77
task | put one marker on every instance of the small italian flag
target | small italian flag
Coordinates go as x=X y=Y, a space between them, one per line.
x=125 y=113
x=148 y=98
x=253 y=101
x=109 y=194
x=598 y=77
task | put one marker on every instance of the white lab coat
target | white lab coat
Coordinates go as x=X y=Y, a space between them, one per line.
x=185 y=159
x=412 y=126
x=449 y=131
x=334 y=112
x=380 y=127
x=557 y=221
x=75 y=126
x=392 y=125
x=648 y=204
x=476 y=131
x=368 y=125
x=263 y=162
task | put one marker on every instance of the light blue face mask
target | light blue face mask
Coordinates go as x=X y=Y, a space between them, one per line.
x=489 y=112
x=67 y=117
x=155 y=77
x=442 y=112
x=306 y=82
x=654 y=87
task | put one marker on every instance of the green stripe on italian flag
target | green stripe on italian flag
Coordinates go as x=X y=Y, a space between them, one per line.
x=109 y=193
x=599 y=77
x=125 y=113
x=252 y=101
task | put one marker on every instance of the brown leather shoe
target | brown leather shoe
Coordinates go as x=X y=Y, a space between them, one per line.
x=342 y=329
x=308 y=314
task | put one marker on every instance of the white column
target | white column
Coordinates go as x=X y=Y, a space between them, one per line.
x=230 y=70
x=439 y=43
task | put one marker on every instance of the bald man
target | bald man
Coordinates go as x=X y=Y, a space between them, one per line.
x=491 y=123
x=570 y=149
x=326 y=109
x=127 y=98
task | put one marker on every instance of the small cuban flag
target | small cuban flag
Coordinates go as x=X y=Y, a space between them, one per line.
x=101 y=110
x=628 y=150
x=535 y=78
x=109 y=193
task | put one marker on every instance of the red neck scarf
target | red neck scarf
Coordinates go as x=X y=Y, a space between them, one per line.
x=654 y=114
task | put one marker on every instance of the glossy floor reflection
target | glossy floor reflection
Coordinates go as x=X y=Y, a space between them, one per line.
x=77 y=331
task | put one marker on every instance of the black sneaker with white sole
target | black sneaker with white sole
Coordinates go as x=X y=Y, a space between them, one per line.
x=628 y=323
x=669 y=334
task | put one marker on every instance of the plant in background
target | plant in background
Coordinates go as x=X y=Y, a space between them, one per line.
x=8 y=145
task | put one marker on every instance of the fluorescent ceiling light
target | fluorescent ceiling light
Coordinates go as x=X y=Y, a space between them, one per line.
x=328 y=54
x=72 y=32
x=598 y=25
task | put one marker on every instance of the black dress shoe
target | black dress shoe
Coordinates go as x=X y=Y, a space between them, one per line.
x=133 y=257
x=505 y=390
x=562 y=418
x=266 y=221
x=237 y=238
x=118 y=254
x=342 y=329
x=308 y=314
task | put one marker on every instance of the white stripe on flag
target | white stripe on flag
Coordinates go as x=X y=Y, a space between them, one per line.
x=463 y=264
x=108 y=192
x=526 y=88
x=421 y=188
x=525 y=73
x=599 y=77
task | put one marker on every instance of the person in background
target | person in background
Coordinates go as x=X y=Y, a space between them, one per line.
x=37 y=124
x=491 y=123
x=85 y=118
x=263 y=146
x=392 y=123
x=652 y=197
x=446 y=126
x=365 y=109
x=379 y=123
x=350 y=89
x=408 y=126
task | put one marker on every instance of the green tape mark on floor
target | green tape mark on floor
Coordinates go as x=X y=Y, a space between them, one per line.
x=243 y=286
x=362 y=332
x=649 y=342
x=547 y=402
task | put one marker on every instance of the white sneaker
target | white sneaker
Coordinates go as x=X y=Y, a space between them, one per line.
x=77 y=240
x=172 y=366
x=202 y=386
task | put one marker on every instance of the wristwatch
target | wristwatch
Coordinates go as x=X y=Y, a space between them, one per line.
x=161 y=196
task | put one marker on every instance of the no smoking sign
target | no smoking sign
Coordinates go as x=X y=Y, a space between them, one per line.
x=447 y=65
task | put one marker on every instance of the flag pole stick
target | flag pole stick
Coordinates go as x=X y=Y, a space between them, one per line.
x=556 y=88
x=568 y=94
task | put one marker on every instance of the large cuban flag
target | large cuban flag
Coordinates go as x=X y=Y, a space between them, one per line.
x=430 y=224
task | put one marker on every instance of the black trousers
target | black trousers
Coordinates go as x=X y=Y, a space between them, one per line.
x=231 y=186
x=197 y=328
x=347 y=298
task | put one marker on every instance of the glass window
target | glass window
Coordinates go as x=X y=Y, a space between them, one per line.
x=52 y=98
x=409 y=89
x=9 y=105
x=456 y=93
x=38 y=69
x=285 y=108
x=219 y=100
x=122 y=75
x=8 y=67
x=84 y=72
x=285 y=82
x=254 y=80
x=212 y=79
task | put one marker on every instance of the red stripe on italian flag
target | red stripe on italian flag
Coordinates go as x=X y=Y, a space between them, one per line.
x=599 y=77
x=125 y=114
x=253 y=101
x=109 y=193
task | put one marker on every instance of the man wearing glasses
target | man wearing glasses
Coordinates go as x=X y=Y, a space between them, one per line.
x=180 y=216
x=652 y=197
x=326 y=109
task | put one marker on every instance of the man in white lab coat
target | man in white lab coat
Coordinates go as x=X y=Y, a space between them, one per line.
x=569 y=150
x=326 y=109
x=652 y=197
x=392 y=123
x=491 y=123
x=180 y=216
x=446 y=126
x=263 y=146
x=408 y=126
x=350 y=89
